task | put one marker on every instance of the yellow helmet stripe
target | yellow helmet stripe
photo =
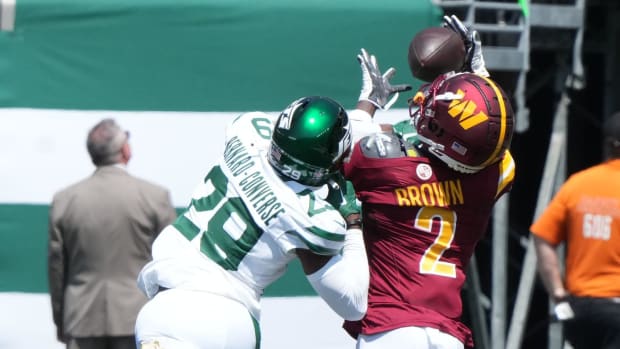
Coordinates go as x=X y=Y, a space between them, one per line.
x=502 y=130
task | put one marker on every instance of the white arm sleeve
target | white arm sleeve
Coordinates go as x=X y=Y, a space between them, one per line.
x=362 y=124
x=343 y=281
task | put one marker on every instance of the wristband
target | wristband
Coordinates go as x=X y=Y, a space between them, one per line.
x=355 y=222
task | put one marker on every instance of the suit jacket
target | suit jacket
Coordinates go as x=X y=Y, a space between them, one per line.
x=100 y=234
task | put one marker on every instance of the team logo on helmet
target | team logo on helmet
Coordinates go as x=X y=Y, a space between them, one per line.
x=345 y=143
x=445 y=115
x=466 y=111
x=285 y=119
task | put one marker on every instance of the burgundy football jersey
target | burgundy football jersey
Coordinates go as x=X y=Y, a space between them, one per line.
x=422 y=222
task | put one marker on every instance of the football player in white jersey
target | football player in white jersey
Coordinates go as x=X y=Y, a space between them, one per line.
x=270 y=199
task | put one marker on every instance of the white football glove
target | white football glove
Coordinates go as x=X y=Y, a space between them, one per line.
x=474 y=61
x=376 y=87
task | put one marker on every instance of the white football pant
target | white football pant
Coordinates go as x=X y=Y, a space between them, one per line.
x=183 y=319
x=409 y=338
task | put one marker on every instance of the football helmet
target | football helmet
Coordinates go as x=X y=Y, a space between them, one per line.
x=463 y=119
x=310 y=140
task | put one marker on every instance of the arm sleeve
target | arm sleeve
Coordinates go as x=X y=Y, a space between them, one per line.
x=343 y=281
x=362 y=125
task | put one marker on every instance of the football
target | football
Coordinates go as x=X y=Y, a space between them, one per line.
x=434 y=51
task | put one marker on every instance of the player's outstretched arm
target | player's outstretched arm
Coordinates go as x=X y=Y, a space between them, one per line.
x=376 y=87
x=341 y=280
x=377 y=92
x=474 y=60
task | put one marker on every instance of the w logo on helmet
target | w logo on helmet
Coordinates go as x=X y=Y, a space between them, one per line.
x=466 y=109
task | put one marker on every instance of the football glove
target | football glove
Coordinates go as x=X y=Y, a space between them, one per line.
x=376 y=87
x=342 y=196
x=474 y=61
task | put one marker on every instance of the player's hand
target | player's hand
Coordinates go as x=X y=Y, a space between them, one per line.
x=474 y=61
x=376 y=87
x=342 y=196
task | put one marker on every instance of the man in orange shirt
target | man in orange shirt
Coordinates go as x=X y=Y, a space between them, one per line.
x=585 y=214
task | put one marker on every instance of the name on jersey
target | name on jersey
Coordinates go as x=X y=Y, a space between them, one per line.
x=440 y=194
x=251 y=181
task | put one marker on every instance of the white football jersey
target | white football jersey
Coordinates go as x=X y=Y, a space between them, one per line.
x=243 y=224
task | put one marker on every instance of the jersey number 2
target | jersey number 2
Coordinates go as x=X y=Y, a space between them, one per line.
x=440 y=221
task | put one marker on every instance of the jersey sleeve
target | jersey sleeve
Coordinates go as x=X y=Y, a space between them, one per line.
x=317 y=226
x=255 y=126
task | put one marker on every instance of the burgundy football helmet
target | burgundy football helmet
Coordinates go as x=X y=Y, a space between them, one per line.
x=463 y=119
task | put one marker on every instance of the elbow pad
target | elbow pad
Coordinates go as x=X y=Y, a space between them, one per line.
x=343 y=281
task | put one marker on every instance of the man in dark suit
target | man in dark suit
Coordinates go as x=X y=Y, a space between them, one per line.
x=100 y=235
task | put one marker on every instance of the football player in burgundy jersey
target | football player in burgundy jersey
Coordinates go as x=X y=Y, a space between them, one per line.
x=425 y=207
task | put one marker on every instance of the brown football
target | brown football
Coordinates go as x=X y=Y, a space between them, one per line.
x=434 y=51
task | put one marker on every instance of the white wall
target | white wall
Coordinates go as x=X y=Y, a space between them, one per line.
x=287 y=322
x=43 y=151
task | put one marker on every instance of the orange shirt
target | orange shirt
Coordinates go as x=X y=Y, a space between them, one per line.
x=585 y=213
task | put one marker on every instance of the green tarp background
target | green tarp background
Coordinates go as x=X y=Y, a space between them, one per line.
x=185 y=55
x=23 y=252
x=199 y=55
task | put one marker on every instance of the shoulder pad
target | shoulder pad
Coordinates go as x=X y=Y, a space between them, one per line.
x=382 y=145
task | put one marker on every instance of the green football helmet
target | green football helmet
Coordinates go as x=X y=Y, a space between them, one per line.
x=310 y=140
